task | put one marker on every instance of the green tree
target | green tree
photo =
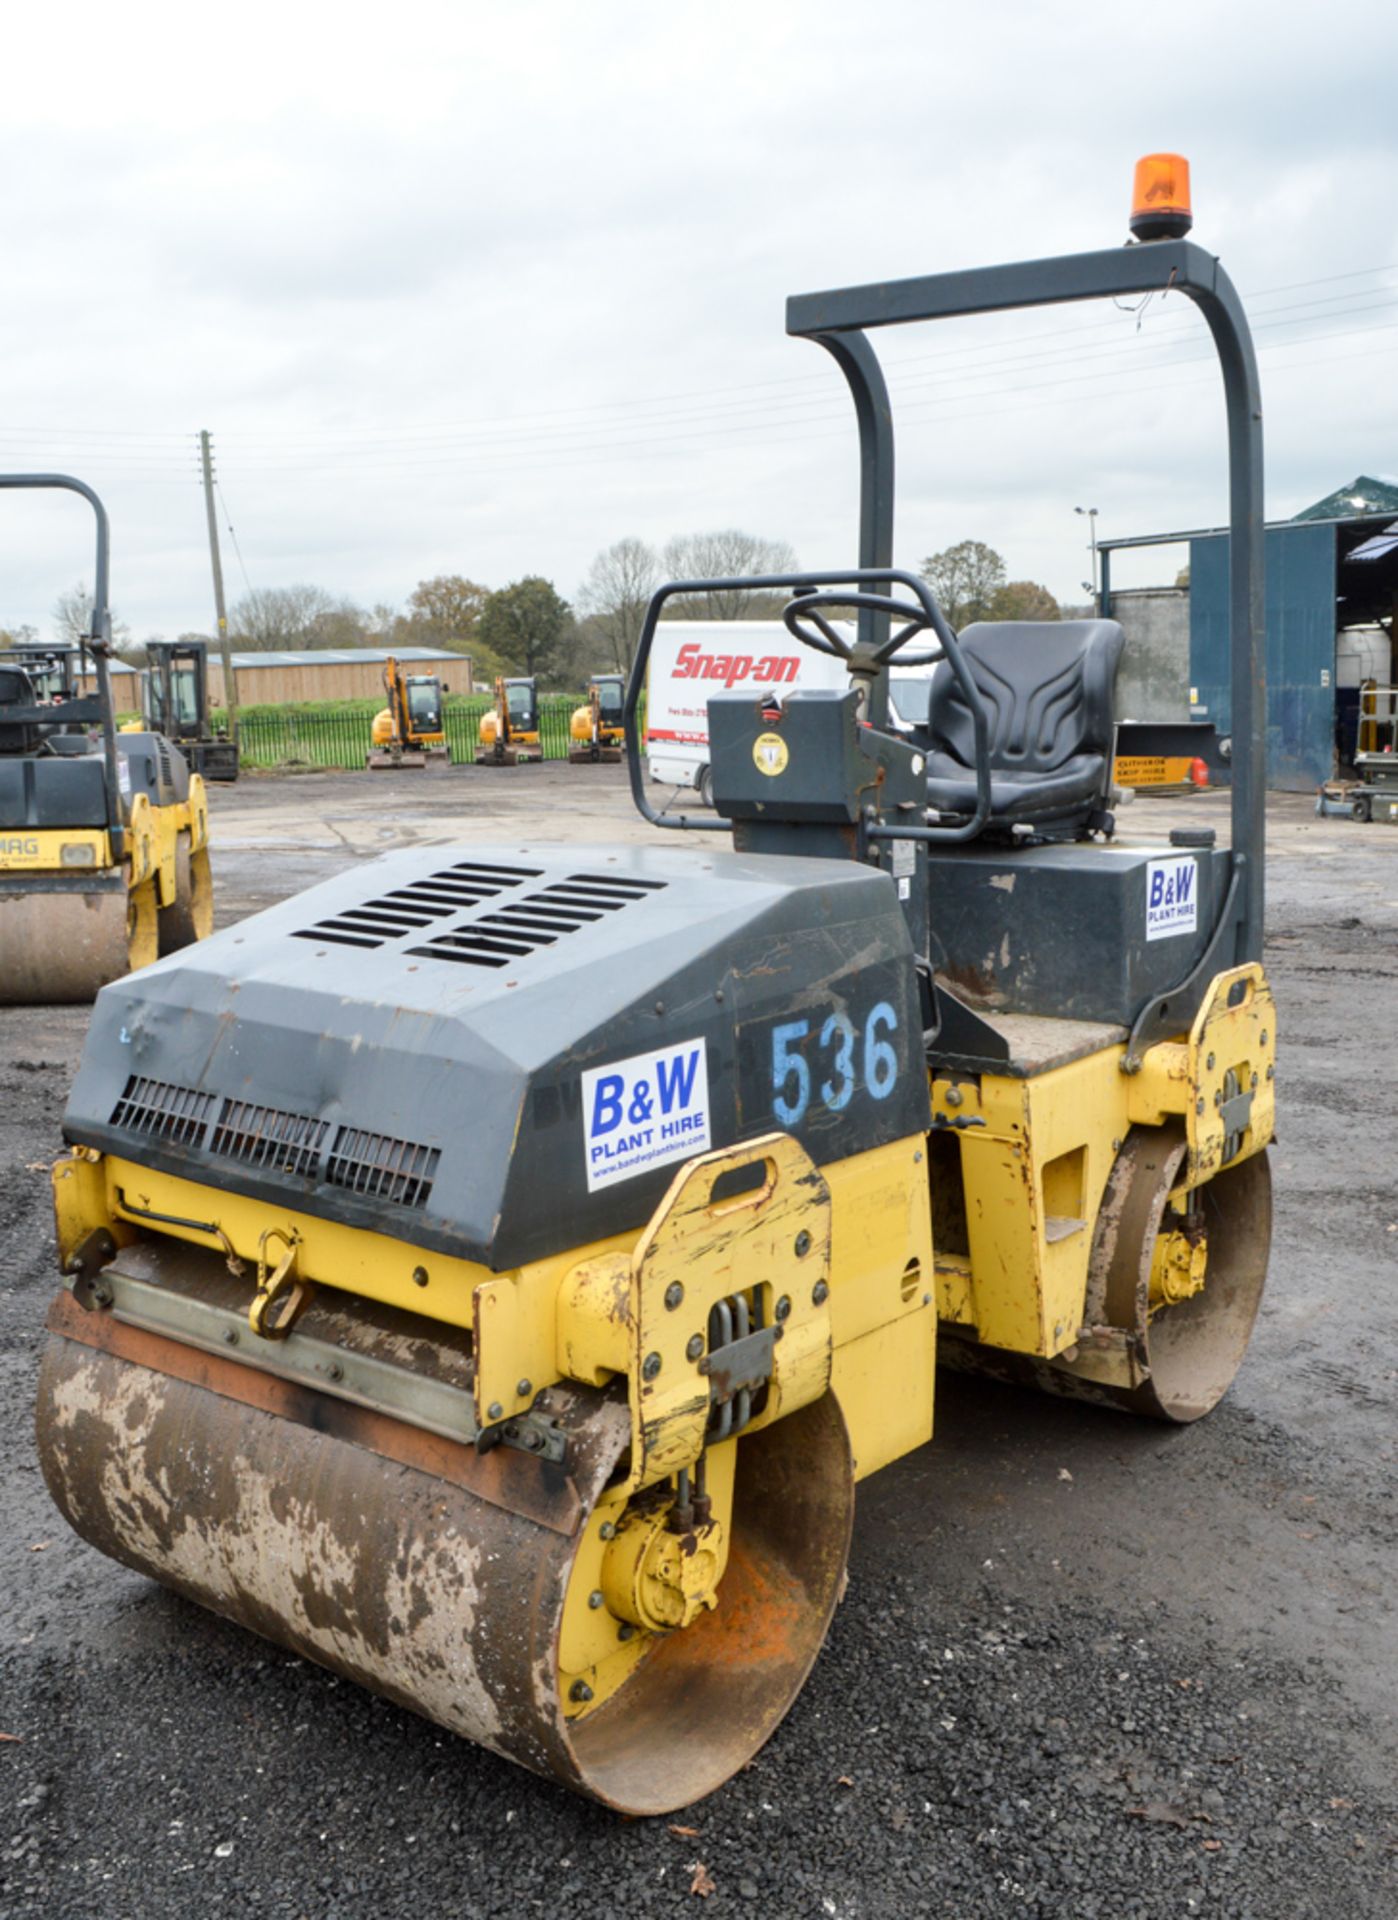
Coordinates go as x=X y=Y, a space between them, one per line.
x=965 y=579
x=445 y=611
x=1023 y=600
x=529 y=626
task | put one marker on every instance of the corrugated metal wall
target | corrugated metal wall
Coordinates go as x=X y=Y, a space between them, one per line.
x=275 y=685
x=1301 y=590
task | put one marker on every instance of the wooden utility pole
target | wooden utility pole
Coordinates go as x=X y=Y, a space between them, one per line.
x=230 y=685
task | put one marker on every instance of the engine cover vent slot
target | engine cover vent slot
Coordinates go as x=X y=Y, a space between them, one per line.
x=267 y=1137
x=162 y=1111
x=381 y=1168
x=416 y=906
x=520 y=927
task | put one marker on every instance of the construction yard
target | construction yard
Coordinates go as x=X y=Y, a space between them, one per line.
x=1084 y=1667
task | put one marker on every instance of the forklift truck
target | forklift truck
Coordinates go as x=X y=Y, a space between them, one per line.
x=175 y=702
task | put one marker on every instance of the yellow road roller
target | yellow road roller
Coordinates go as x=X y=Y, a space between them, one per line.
x=490 y=1273
x=104 y=844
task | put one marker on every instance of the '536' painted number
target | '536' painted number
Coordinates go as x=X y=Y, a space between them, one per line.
x=843 y=1064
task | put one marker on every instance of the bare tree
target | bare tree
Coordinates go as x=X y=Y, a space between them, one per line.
x=21 y=636
x=613 y=601
x=342 y=625
x=271 y=617
x=72 y=618
x=728 y=554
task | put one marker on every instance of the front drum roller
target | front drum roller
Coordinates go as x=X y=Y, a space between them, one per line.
x=1172 y=1298
x=60 y=947
x=190 y=915
x=437 y=1576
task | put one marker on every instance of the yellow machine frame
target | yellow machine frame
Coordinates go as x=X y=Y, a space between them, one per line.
x=149 y=864
x=848 y=1247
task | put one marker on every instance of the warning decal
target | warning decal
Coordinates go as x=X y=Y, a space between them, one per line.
x=645 y=1112
x=1172 y=896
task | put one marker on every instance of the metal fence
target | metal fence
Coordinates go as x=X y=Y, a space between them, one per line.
x=341 y=740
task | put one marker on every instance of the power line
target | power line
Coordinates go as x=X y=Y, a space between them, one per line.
x=1139 y=355
x=155 y=442
x=438 y=449
x=232 y=535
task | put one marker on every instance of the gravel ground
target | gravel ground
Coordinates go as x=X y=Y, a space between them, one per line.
x=1084 y=1667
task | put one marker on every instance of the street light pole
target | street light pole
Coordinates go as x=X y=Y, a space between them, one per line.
x=1091 y=513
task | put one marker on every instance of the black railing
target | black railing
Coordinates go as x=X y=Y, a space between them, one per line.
x=288 y=738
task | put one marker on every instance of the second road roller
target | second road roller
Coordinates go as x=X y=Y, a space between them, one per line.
x=490 y=1273
x=104 y=835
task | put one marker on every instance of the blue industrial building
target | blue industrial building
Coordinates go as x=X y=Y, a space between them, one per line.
x=1333 y=567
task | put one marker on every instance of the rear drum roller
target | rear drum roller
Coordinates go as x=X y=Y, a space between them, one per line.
x=451 y=1582
x=190 y=915
x=1172 y=1298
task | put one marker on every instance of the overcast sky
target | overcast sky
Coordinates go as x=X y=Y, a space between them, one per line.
x=482 y=289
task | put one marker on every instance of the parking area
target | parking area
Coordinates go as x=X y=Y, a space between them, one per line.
x=1084 y=1667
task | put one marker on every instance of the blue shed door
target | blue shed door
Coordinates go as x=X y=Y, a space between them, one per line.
x=1300 y=647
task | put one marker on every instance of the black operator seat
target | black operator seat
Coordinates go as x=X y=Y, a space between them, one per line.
x=1049 y=692
x=16 y=690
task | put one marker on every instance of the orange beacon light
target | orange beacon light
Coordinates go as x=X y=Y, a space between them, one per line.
x=1160 y=198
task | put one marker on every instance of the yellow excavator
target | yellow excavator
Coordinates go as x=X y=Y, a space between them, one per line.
x=409 y=731
x=490 y=1273
x=596 y=730
x=104 y=836
x=509 y=731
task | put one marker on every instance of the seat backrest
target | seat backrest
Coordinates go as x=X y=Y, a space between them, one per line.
x=1048 y=688
x=16 y=690
x=45 y=790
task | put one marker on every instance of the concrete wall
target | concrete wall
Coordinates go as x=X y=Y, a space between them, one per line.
x=1153 y=683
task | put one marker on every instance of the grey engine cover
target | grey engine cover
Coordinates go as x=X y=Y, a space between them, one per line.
x=402 y=1048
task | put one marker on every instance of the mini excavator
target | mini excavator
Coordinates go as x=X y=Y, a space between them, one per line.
x=597 y=729
x=409 y=731
x=509 y=731
x=490 y=1273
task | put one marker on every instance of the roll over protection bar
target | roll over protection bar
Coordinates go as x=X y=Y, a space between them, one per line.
x=99 y=641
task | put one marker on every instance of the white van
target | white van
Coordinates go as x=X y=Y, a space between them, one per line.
x=692 y=659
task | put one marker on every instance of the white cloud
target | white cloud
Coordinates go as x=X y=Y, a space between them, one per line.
x=485 y=288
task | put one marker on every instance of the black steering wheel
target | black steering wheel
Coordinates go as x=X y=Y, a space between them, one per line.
x=866 y=590
x=806 y=621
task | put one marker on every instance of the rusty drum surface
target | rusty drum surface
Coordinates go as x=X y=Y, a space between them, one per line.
x=57 y=947
x=431 y=1574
